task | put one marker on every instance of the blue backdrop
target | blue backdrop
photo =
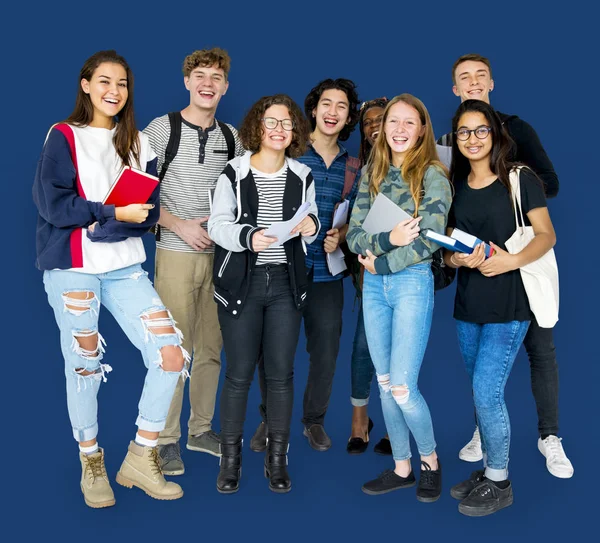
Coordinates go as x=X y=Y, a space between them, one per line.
x=543 y=70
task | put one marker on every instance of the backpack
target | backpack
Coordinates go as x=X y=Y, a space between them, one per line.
x=175 y=122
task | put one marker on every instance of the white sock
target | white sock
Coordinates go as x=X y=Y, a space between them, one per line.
x=89 y=450
x=145 y=442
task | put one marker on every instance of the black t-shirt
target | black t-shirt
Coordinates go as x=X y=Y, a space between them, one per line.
x=488 y=214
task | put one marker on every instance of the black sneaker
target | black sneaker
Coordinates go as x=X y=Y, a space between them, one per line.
x=462 y=490
x=430 y=483
x=383 y=447
x=388 y=481
x=486 y=498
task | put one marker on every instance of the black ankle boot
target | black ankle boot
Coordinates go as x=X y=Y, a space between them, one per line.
x=276 y=465
x=230 y=470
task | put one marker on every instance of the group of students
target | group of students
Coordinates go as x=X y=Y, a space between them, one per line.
x=221 y=281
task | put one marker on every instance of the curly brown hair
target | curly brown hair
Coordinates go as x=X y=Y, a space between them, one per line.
x=251 y=130
x=206 y=58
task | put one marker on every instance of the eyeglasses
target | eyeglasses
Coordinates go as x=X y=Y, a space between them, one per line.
x=271 y=123
x=481 y=132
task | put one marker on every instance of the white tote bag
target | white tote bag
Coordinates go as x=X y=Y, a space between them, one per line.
x=540 y=278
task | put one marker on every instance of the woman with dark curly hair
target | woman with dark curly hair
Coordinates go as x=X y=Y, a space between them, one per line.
x=261 y=284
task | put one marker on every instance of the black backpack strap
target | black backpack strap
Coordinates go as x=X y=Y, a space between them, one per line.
x=173 y=144
x=228 y=139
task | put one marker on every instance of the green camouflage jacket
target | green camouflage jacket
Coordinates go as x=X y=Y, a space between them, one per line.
x=434 y=210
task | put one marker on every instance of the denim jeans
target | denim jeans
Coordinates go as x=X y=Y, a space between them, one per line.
x=269 y=324
x=398 y=309
x=489 y=351
x=361 y=365
x=544 y=376
x=323 y=326
x=130 y=297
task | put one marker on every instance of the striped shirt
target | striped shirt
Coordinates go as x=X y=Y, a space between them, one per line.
x=329 y=186
x=270 y=188
x=185 y=190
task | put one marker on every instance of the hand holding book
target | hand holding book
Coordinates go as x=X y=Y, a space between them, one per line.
x=133 y=213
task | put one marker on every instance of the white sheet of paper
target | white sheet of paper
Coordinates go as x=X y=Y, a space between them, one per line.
x=335 y=261
x=340 y=217
x=281 y=230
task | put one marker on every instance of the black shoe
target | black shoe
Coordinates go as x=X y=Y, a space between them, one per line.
x=258 y=443
x=430 y=483
x=357 y=445
x=486 y=498
x=230 y=468
x=462 y=490
x=384 y=447
x=276 y=465
x=387 y=482
x=317 y=437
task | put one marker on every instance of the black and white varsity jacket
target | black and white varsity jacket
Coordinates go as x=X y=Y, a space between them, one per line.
x=233 y=222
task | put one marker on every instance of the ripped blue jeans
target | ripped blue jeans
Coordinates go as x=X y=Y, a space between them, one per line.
x=398 y=310
x=130 y=297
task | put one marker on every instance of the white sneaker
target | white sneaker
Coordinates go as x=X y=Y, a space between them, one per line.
x=556 y=460
x=471 y=452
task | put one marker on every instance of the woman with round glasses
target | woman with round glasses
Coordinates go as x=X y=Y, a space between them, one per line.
x=260 y=284
x=491 y=308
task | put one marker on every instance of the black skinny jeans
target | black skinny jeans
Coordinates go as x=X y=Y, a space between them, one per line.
x=539 y=345
x=323 y=327
x=269 y=324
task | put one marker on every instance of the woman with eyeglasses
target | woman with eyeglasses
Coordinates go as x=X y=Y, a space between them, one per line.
x=491 y=308
x=260 y=284
x=361 y=365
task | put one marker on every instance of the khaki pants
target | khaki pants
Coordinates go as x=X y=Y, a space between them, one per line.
x=185 y=285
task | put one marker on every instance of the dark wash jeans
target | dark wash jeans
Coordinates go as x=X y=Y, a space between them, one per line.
x=323 y=327
x=269 y=324
x=361 y=365
x=539 y=345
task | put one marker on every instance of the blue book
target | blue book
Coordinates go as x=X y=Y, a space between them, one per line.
x=459 y=241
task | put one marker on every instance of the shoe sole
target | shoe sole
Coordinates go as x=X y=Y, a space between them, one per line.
x=261 y=448
x=376 y=493
x=428 y=500
x=98 y=505
x=469 y=458
x=173 y=472
x=473 y=512
x=322 y=448
x=381 y=453
x=560 y=475
x=199 y=449
x=123 y=481
x=227 y=491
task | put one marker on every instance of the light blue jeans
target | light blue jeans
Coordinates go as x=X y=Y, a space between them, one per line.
x=129 y=295
x=489 y=351
x=398 y=309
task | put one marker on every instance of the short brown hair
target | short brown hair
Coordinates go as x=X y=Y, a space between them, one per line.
x=207 y=57
x=251 y=130
x=473 y=57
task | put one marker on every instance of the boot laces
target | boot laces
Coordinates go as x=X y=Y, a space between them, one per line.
x=155 y=462
x=95 y=467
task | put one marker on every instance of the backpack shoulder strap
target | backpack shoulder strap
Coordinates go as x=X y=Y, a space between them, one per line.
x=173 y=143
x=228 y=139
x=352 y=168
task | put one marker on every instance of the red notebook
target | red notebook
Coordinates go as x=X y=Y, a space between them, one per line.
x=131 y=187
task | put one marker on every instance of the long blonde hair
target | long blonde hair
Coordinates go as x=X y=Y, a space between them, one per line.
x=417 y=160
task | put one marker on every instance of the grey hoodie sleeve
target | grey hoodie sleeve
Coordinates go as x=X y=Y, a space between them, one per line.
x=222 y=226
